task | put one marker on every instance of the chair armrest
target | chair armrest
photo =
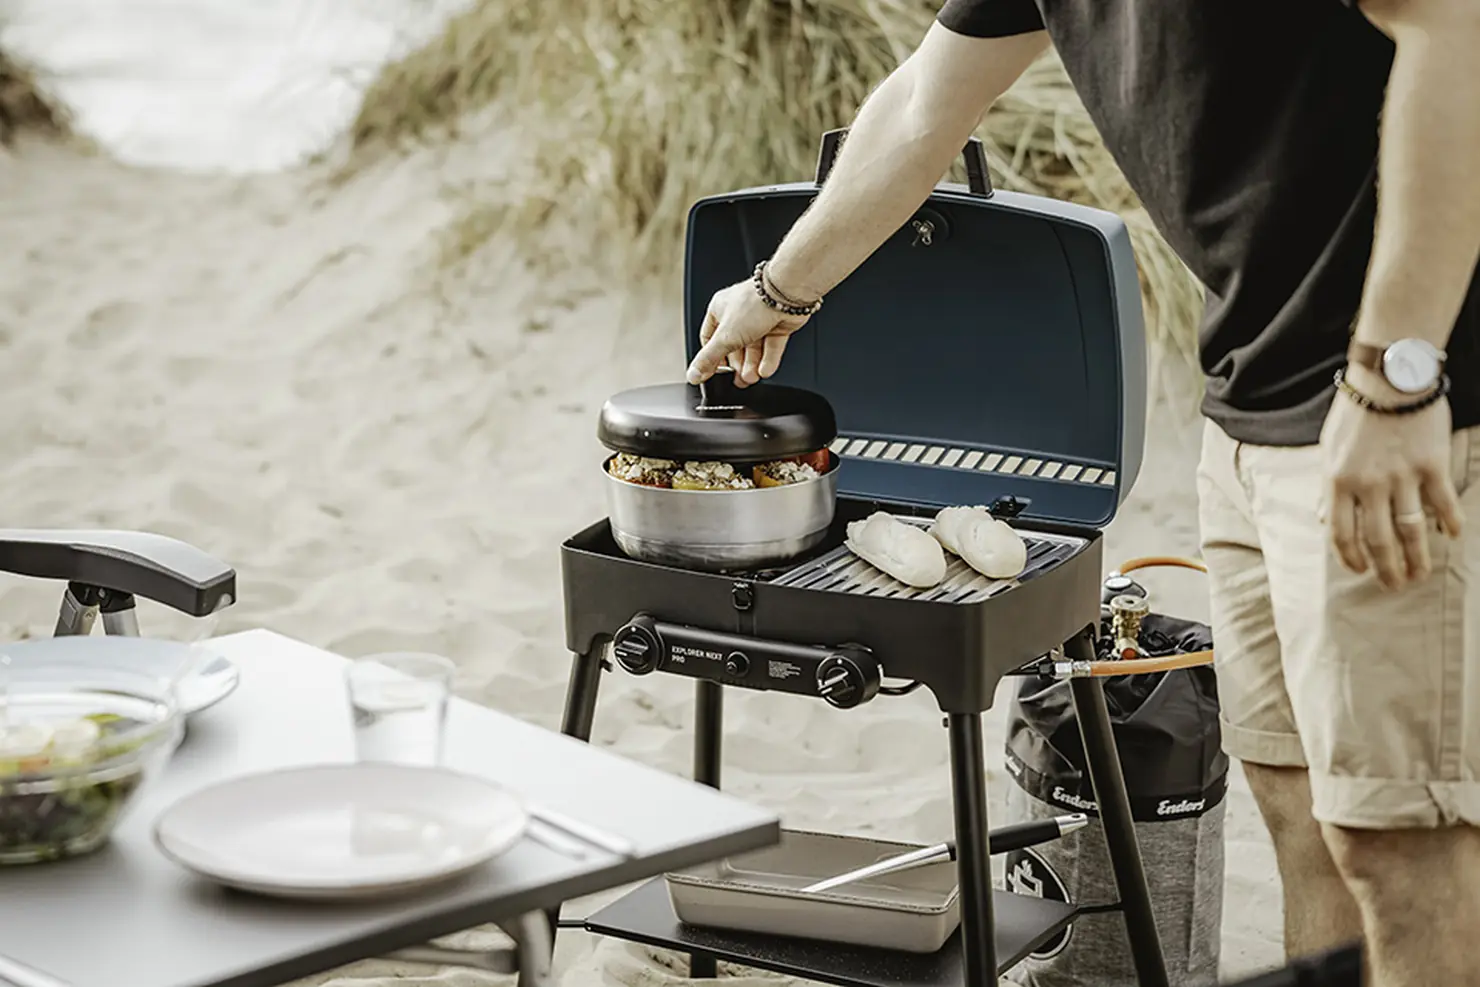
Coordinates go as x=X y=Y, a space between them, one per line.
x=152 y=566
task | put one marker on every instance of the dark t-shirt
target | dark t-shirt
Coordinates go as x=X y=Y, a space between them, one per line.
x=1249 y=130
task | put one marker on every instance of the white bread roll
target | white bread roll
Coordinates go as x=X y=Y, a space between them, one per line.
x=988 y=545
x=902 y=550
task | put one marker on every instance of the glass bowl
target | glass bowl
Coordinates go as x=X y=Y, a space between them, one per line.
x=77 y=743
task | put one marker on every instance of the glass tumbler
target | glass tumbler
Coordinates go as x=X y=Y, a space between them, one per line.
x=399 y=707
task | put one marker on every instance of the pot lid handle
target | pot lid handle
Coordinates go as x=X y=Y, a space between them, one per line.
x=719 y=392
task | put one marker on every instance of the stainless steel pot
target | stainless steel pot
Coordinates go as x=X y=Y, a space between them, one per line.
x=721 y=530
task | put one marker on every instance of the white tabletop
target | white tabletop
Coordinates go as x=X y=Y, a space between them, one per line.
x=127 y=917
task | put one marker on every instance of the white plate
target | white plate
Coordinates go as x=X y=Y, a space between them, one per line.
x=211 y=678
x=341 y=831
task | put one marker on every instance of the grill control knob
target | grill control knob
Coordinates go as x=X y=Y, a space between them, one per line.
x=637 y=649
x=737 y=664
x=846 y=681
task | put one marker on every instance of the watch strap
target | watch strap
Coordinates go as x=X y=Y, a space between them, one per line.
x=1366 y=356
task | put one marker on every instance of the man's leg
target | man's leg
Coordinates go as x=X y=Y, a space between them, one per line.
x=1320 y=912
x=1386 y=695
x=1416 y=890
x=1258 y=722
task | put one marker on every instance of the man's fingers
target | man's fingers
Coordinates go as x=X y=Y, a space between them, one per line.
x=711 y=320
x=1343 y=511
x=1412 y=528
x=1443 y=499
x=775 y=347
x=1380 y=538
x=711 y=357
x=750 y=370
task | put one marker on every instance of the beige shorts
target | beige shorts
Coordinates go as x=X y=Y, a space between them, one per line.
x=1376 y=692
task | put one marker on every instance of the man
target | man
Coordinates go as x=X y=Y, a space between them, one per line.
x=1345 y=583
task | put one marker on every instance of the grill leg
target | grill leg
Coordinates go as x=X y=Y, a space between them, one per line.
x=1103 y=760
x=580 y=694
x=973 y=863
x=580 y=713
x=709 y=709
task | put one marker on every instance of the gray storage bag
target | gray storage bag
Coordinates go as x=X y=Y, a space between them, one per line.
x=1166 y=729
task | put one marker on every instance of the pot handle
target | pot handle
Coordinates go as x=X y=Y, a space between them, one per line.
x=719 y=391
x=975 y=158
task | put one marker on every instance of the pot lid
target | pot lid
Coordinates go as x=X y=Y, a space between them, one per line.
x=717 y=421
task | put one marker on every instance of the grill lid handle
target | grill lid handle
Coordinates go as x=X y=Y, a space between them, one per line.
x=973 y=155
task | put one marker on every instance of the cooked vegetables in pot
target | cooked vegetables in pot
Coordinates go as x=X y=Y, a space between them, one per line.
x=717 y=475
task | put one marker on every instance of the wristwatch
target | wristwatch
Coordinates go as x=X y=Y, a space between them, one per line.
x=1411 y=366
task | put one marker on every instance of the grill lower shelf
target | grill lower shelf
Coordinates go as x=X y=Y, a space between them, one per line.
x=646 y=916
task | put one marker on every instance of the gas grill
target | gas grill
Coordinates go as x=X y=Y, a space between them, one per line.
x=1020 y=385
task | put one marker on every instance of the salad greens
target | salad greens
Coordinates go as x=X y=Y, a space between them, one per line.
x=63 y=785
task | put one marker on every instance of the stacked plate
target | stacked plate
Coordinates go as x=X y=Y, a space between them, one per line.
x=205 y=677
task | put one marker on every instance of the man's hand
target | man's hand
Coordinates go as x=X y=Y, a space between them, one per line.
x=744 y=332
x=1390 y=479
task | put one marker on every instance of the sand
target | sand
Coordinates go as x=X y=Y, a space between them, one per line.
x=265 y=367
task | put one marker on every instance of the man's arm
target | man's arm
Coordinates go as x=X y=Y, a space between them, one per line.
x=1387 y=472
x=1428 y=199
x=904 y=138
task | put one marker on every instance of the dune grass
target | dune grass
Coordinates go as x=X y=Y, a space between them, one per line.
x=643 y=106
x=23 y=106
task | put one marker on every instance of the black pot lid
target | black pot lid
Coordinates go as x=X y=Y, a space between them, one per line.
x=717 y=421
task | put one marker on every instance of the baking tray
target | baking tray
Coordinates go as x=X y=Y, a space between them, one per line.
x=912 y=911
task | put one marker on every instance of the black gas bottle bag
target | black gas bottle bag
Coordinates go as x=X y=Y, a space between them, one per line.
x=1176 y=774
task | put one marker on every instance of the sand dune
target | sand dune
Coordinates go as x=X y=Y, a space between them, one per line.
x=266 y=368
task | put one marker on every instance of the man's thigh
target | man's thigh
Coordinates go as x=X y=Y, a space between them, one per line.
x=1384 y=685
x=1258 y=720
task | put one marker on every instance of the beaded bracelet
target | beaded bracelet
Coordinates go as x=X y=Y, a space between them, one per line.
x=775 y=300
x=1367 y=404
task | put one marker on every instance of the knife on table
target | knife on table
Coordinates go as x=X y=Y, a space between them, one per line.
x=1005 y=839
x=14 y=973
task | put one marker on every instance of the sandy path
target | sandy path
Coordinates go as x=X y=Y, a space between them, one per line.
x=260 y=366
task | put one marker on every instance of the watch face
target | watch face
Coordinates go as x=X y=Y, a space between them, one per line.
x=1411 y=366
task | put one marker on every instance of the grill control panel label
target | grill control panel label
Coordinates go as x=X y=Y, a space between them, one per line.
x=778 y=669
x=683 y=652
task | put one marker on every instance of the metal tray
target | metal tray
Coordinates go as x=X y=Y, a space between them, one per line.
x=913 y=912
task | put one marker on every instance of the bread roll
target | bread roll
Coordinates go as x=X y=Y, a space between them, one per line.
x=902 y=550
x=988 y=545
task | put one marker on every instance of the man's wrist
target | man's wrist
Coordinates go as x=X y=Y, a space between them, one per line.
x=790 y=282
x=1375 y=386
x=1372 y=329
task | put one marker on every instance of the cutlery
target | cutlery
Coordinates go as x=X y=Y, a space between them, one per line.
x=14 y=973
x=571 y=838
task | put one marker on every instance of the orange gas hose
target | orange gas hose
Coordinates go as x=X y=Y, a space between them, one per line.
x=1159 y=561
x=1149 y=666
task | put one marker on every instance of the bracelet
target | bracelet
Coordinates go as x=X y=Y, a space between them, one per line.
x=775 y=300
x=1367 y=404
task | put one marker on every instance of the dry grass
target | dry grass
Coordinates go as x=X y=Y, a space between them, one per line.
x=23 y=106
x=646 y=105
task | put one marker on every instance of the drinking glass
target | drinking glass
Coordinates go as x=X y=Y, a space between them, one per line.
x=399 y=705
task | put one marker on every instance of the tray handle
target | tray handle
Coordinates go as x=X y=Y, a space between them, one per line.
x=973 y=154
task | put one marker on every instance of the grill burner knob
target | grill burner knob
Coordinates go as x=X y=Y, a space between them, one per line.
x=637 y=648
x=737 y=664
x=845 y=682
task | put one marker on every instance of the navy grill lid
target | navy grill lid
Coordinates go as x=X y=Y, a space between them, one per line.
x=1005 y=357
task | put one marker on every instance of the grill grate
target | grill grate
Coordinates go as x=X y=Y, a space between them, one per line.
x=840 y=571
